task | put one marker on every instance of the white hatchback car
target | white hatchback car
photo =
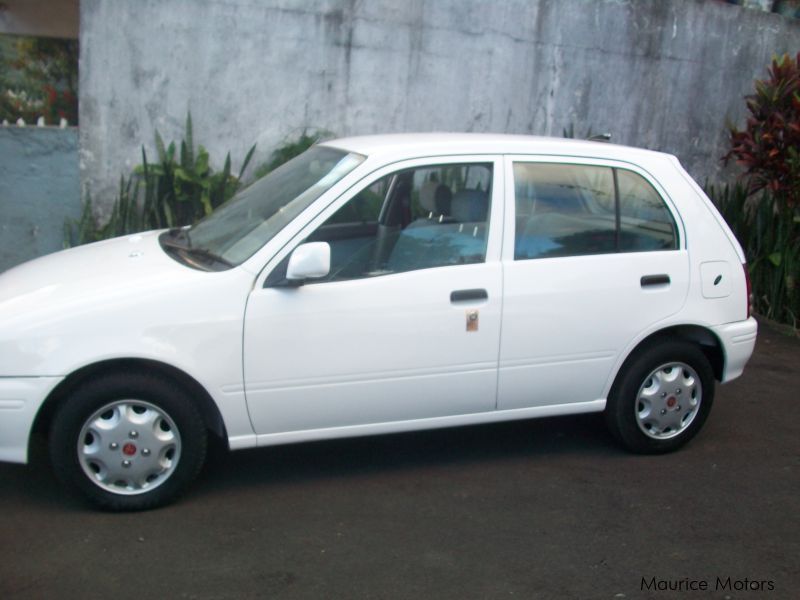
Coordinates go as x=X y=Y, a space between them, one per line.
x=374 y=285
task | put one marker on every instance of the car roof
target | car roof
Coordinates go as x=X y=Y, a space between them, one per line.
x=399 y=146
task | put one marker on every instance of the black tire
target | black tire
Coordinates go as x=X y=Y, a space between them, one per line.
x=117 y=418
x=677 y=391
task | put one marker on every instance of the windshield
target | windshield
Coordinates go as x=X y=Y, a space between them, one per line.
x=235 y=231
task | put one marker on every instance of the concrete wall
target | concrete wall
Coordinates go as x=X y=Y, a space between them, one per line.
x=39 y=188
x=662 y=74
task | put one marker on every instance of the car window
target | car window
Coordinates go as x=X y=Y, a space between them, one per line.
x=418 y=218
x=237 y=229
x=563 y=210
x=574 y=210
x=645 y=222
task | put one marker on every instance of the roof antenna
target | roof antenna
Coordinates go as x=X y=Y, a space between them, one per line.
x=600 y=137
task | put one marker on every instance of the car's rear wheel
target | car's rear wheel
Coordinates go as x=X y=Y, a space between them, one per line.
x=661 y=398
x=128 y=442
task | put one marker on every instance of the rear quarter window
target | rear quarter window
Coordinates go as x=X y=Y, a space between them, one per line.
x=645 y=221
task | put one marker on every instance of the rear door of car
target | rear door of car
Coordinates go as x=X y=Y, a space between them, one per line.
x=582 y=279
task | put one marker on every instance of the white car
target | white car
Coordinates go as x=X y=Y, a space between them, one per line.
x=374 y=285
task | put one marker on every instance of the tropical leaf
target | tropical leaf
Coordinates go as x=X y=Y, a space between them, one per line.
x=189 y=139
x=162 y=153
x=205 y=198
x=246 y=162
x=201 y=165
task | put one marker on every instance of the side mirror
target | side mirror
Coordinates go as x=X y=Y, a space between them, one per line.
x=309 y=261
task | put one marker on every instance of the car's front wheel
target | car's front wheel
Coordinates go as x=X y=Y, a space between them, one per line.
x=128 y=442
x=661 y=398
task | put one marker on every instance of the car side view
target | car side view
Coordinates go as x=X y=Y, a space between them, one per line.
x=374 y=285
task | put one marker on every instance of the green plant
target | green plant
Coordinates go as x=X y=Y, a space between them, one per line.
x=173 y=191
x=768 y=148
x=762 y=208
x=769 y=233
x=181 y=191
x=169 y=193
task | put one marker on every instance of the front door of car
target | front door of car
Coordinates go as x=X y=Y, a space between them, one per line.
x=405 y=326
x=597 y=258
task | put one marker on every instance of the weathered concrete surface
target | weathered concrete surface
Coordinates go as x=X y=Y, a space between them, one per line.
x=530 y=510
x=39 y=188
x=663 y=74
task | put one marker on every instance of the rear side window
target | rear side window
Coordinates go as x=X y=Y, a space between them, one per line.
x=563 y=210
x=574 y=210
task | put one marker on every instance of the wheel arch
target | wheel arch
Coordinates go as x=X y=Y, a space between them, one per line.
x=123 y=366
x=702 y=337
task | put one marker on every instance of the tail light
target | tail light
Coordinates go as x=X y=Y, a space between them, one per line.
x=749 y=290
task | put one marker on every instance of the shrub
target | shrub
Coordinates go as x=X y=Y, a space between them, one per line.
x=762 y=208
x=169 y=193
x=769 y=146
x=769 y=236
x=174 y=192
x=126 y=217
x=181 y=192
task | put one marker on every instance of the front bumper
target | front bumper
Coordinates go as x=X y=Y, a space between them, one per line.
x=20 y=400
x=738 y=341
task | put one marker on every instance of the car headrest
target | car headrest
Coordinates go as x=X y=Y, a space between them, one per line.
x=435 y=198
x=427 y=196
x=470 y=206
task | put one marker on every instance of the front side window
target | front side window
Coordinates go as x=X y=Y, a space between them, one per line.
x=418 y=218
x=575 y=210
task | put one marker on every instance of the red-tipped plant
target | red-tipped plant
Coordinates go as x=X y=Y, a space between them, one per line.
x=769 y=146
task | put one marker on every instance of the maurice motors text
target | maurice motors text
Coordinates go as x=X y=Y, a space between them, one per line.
x=718 y=584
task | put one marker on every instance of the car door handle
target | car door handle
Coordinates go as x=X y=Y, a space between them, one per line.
x=467 y=295
x=648 y=280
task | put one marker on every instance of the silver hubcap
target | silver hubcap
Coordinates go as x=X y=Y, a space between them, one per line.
x=129 y=447
x=668 y=400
